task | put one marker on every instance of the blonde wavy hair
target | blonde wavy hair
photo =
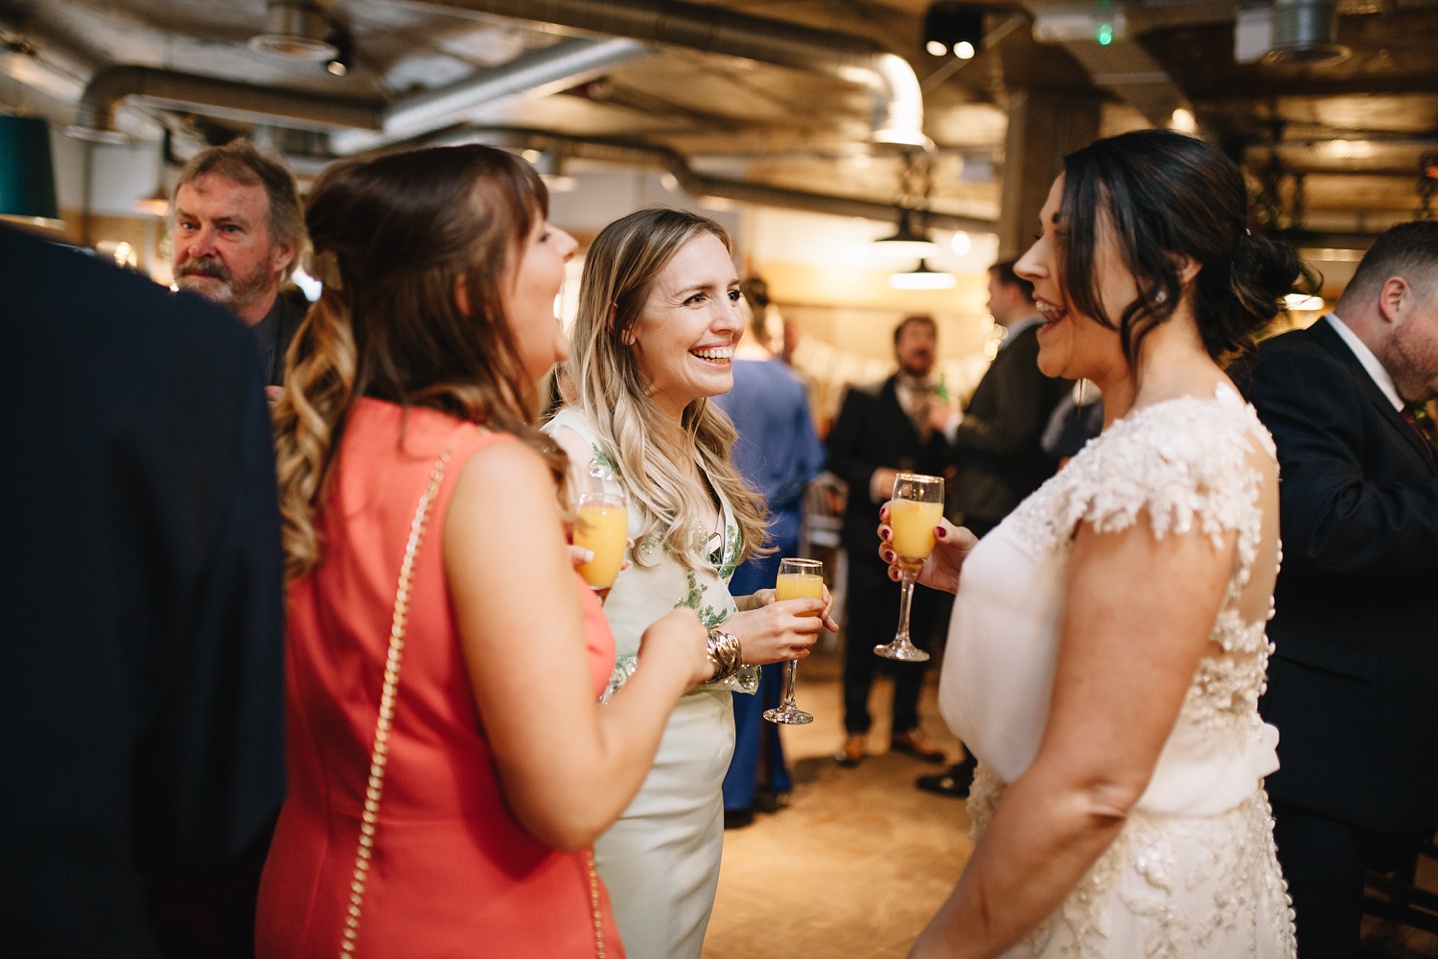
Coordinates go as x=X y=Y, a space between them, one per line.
x=619 y=273
x=394 y=237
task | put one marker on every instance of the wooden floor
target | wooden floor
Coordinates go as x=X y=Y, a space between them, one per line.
x=860 y=859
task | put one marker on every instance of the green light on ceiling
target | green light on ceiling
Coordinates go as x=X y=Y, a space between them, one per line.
x=1104 y=35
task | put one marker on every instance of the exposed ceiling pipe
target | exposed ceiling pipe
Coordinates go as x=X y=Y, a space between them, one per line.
x=111 y=86
x=703 y=185
x=899 y=103
x=537 y=73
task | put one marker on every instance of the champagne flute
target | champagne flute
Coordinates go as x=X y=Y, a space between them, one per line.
x=798 y=579
x=915 y=509
x=602 y=527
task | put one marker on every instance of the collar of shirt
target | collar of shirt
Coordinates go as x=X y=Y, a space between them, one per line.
x=1018 y=327
x=1375 y=369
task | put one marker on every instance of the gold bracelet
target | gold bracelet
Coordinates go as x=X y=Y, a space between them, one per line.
x=725 y=653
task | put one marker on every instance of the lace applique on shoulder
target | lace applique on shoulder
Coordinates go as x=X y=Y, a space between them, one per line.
x=1183 y=461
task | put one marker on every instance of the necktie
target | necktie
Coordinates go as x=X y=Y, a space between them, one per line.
x=1418 y=418
x=919 y=394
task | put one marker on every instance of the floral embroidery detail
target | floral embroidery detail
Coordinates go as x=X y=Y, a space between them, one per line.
x=1224 y=866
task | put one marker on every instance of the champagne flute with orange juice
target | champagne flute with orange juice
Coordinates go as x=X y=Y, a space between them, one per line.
x=602 y=527
x=914 y=511
x=798 y=579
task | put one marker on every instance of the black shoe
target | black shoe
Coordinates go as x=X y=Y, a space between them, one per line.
x=738 y=818
x=954 y=783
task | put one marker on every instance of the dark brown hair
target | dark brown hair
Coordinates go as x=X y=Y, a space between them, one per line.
x=1166 y=196
x=394 y=237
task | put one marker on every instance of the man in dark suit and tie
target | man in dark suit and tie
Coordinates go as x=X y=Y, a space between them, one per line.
x=1353 y=685
x=884 y=429
x=142 y=601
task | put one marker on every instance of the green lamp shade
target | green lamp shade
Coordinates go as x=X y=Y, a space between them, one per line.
x=27 y=173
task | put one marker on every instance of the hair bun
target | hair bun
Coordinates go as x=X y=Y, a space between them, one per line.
x=1262 y=273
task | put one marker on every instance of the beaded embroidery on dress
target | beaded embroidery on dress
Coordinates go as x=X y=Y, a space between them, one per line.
x=1193 y=872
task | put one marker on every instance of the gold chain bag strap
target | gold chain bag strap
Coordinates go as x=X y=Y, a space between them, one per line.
x=370 y=817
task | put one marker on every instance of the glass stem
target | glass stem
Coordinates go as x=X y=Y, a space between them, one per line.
x=906 y=599
x=793 y=667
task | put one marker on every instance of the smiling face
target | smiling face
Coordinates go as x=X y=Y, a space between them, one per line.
x=1072 y=345
x=916 y=346
x=683 y=341
x=222 y=245
x=529 y=301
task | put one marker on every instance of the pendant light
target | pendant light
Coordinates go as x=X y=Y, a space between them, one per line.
x=922 y=277
x=27 y=172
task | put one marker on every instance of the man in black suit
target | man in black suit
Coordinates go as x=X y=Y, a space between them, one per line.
x=1352 y=683
x=238 y=228
x=883 y=429
x=996 y=444
x=142 y=601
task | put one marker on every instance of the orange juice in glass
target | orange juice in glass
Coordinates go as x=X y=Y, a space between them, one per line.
x=602 y=526
x=913 y=525
x=798 y=579
x=914 y=510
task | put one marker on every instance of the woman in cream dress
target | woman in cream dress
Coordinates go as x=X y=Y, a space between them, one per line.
x=1107 y=647
x=658 y=319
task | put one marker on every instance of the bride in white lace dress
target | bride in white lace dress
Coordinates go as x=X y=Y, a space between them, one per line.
x=1107 y=646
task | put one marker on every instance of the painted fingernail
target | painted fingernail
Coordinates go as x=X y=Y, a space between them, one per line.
x=941 y=533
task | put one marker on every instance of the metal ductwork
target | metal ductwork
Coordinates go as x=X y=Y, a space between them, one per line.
x=110 y=87
x=699 y=184
x=1305 y=32
x=539 y=72
x=899 y=105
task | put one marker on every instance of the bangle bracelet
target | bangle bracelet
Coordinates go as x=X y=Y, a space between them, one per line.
x=725 y=653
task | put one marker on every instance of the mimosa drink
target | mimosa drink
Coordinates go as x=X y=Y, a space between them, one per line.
x=603 y=528
x=799 y=586
x=913 y=525
x=798 y=579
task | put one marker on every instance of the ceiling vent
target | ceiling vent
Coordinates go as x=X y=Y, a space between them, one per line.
x=295 y=30
x=1304 y=33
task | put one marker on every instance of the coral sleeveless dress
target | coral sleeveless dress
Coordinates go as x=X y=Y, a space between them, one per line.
x=452 y=873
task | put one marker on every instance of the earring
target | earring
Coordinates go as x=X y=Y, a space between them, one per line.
x=1161 y=297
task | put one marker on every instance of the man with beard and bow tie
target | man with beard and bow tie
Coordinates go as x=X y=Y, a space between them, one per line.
x=237 y=231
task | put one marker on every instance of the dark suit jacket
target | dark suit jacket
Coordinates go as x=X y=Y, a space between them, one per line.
x=142 y=622
x=873 y=431
x=996 y=449
x=1353 y=687
x=291 y=315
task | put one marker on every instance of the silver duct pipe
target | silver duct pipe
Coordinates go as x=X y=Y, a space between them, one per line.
x=899 y=105
x=1305 y=32
x=703 y=185
x=111 y=86
x=539 y=72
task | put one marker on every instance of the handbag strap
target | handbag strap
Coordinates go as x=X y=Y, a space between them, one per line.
x=369 y=819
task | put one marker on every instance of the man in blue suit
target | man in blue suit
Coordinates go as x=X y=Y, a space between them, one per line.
x=1351 y=685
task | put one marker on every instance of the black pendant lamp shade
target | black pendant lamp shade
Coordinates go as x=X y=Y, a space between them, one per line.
x=27 y=171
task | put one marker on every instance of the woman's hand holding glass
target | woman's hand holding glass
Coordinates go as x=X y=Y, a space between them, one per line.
x=941 y=570
x=772 y=630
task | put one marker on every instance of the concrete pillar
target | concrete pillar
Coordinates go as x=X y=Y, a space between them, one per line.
x=1044 y=126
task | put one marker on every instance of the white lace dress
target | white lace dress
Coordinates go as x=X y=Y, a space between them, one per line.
x=1193 y=871
x=660 y=860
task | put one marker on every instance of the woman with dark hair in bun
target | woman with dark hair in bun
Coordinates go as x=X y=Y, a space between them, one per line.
x=1107 y=646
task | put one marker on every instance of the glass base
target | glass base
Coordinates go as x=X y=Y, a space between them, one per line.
x=903 y=652
x=788 y=716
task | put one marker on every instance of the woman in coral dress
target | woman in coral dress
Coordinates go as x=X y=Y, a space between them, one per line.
x=444 y=791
